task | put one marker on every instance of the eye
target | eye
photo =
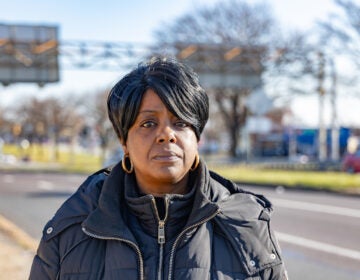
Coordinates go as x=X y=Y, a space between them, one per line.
x=180 y=123
x=148 y=124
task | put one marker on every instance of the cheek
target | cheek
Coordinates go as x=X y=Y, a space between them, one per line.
x=134 y=144
x=137 y=146
x=191 y=144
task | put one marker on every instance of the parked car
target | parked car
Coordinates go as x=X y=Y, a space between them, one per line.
x=351 y=162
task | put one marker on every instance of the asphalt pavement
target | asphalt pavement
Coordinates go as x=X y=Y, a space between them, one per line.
x=318 y=231
x=17 y=245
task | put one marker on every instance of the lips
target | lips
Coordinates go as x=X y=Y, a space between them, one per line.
x=167 y=156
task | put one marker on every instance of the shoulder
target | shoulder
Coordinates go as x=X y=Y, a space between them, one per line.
x=78 y=206
x=233 y=200
x=63 y=232
x=244 y=221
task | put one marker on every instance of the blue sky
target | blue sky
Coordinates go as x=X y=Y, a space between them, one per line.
x=129 y=21
x=106 y=20
x=134 y=20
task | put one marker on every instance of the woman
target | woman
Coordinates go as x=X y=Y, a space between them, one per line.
x=160 y=213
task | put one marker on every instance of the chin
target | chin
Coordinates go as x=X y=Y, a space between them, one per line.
x=170 y=175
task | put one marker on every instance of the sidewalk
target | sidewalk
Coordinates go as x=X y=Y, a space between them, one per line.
x=17 y=250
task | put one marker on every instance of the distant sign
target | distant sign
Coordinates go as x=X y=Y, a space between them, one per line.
x=227 y=80
x=28 y=54
x=224 y=66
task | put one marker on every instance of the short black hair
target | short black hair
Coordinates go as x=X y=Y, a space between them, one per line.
x=176 y=84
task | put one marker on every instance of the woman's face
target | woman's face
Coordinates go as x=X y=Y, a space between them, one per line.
x=161 y=147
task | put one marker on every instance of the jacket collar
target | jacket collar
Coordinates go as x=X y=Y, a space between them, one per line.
x=143 y=207
x=109 y=219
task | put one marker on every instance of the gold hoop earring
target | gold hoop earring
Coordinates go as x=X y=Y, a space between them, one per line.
x=196 y=163
x=123 y=164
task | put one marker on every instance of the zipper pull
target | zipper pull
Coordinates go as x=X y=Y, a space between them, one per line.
x=161 y=232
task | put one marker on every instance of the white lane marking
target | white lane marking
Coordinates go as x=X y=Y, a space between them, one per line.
x=319 y=246
x=45 y=185
x=9 y=179
x=322 y=208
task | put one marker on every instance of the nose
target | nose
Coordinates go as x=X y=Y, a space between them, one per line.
x=166 y=135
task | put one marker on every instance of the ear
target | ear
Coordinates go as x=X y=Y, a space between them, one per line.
x=123 y=146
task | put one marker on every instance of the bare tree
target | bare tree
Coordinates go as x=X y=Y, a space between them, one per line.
x=95 y=111
x=342 y=29
x=102 y=123
x=48 y=119
x=246 y=35
x=340 y=33
x=6 y=124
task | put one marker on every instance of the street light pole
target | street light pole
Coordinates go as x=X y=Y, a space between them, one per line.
x=322 y=129
x=335 y=155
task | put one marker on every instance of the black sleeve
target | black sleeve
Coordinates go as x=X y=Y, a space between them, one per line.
x=45 y=265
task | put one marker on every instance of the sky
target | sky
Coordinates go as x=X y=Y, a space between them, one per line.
x=135 y=21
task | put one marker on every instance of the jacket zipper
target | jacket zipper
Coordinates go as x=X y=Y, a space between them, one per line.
x=161 y=235
x=132 y=244
x=172 y=252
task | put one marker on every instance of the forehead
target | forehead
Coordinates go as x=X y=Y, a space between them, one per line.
x=151 y=100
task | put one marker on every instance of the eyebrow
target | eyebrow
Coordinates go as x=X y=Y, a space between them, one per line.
x=147 y=111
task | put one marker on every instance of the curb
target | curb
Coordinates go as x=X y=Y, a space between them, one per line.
x=18 y=235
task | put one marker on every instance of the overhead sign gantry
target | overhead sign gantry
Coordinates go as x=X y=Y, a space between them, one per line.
x=28 y=54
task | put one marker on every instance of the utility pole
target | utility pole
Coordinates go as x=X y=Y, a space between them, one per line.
x=335 y=155
x=322 y=129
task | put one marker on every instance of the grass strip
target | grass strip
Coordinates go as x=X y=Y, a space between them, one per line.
x=336 y=181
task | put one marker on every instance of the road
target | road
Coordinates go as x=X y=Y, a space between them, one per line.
x=319 y=233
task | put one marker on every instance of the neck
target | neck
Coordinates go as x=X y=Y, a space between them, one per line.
x=162 y=189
